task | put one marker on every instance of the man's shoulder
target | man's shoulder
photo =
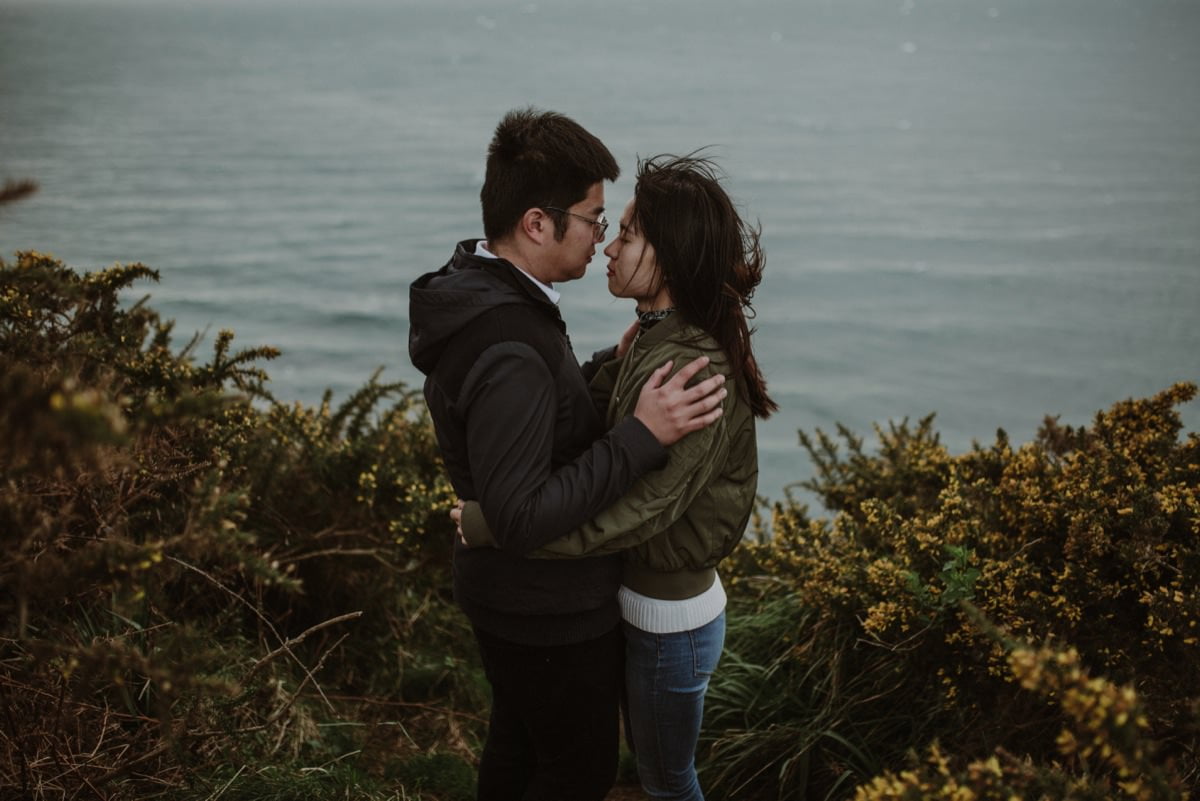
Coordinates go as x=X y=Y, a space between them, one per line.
x=510 y=323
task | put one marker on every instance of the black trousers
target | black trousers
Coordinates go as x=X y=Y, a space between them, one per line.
x=553 y=731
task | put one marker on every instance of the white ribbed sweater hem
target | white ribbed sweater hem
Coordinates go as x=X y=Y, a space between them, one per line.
x=657 y=616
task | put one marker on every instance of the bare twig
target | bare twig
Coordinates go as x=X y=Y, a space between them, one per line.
x=298 y=639
x=257 y=613
x=153 y=753
x=221 y=792
x=16 y=190
x=12 y=735
x=279 y=713
x=374 y=552
x=435 y=708
x=309 y=677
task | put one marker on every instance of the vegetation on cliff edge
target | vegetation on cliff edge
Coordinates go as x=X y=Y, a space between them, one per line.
x=206 y=593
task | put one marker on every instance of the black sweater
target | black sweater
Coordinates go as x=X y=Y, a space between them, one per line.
x=520 y=433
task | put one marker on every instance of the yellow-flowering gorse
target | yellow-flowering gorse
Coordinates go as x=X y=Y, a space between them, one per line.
x=1104 y=740
x=194 y=571
x=1086 y=536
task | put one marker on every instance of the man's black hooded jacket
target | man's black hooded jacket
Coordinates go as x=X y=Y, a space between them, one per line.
x=520 y=433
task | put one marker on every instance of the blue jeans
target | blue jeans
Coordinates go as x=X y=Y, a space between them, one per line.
x=666 y=676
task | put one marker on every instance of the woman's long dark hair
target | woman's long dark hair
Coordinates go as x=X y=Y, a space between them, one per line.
x=710 y=259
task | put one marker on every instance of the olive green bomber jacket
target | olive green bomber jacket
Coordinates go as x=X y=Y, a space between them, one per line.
x=675 y=524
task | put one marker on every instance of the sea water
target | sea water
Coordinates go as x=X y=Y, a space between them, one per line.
x=987 y=209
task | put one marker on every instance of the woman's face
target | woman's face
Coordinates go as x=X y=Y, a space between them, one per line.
x=632 y=268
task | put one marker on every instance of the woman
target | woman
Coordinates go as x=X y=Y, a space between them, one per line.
x=691 y=264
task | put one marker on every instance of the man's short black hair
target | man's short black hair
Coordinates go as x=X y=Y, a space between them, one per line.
x=538 y=159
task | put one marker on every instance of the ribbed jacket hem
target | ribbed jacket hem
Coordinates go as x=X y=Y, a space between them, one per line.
x=658 y=616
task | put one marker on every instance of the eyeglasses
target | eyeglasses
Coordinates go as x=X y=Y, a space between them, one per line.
x=599 y=225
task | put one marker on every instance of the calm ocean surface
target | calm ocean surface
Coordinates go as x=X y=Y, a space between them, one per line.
x=988 y=209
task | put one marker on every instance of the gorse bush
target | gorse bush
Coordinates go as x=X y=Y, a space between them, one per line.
x=206 y=593
x=1105 y=727
x=196 y=575
x=1086 y=537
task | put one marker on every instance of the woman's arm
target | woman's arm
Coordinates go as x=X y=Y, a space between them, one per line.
x=655 y=501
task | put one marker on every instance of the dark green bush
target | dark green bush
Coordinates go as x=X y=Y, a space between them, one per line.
x=1088 y=538
x=208 y=593
x=194 y=572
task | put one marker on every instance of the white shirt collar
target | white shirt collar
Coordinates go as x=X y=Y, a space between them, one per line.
x=554 y=295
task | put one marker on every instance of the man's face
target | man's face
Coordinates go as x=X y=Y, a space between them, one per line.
x=568 y=258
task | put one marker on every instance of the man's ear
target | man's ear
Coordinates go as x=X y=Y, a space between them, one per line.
x=537 y=225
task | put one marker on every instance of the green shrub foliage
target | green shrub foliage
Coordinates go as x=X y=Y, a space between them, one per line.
x=208 y=593
x=1087 y=539
x=195 y=574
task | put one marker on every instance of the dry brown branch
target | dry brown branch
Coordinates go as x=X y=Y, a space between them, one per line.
x=212 y=579
x=437 y=709
x=372 y=552
x=17 y=190
x=225 y=787
x=121 y=770
x=309 y=677
x=258 y=613
x=298 y=639
x=279 y=713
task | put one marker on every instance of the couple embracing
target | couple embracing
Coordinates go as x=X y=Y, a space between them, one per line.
x=597 y=501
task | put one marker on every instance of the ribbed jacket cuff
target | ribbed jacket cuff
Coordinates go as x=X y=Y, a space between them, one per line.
x=475 y=528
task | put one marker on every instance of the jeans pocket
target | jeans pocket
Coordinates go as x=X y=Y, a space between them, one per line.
x=707 y=642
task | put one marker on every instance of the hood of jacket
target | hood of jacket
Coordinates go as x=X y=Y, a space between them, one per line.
x=442 y=303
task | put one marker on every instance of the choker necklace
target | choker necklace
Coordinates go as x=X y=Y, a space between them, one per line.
x=647 y=319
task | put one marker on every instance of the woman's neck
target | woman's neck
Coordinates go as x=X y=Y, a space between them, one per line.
x=659 y=302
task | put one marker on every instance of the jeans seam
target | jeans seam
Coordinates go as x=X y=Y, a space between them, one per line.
x=698 y=670
x=695 y=654
x=660 y=768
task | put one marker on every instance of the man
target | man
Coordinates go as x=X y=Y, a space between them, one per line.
x=520 y=433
